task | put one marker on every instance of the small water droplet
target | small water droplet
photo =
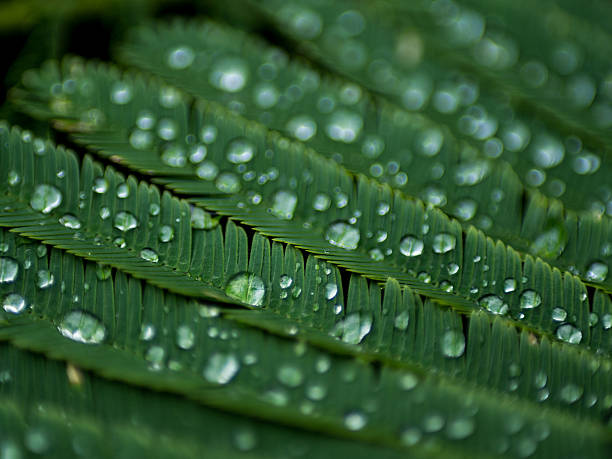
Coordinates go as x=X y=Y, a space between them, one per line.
x=597 y=272
x=83 y=327
x=494 y=304
x=70 y=221
x=149 y=255
x=402 y=320
x=509 y=285
x=166 y=233
x=227 y=182
x=551 y=243
x=44 y=279
x=290 y=376
x=453 y=344
x=13 y=178
x=302 y=127
x=8 y=270
x=321 y=202
x=285 y=281
x=530 y=299
x=180 y=57
x=569 y=334
x=185 y=338
x=123 y=191
x=460 y=428
x=147 y=332
x=355 y=420
x=444 y=243
x=247 y=288
x=104 y=213
x=121 y=93
x=559 y=314
x=411 y=246
x=240 y=150
x=229 y=74
x=125 y=221
x=571 y=393
x=100 y=185
x=341 y=234
x=331 y=289
x=45 y=198
x=284 y=205
x=244 y=439
x=13 y=303
x=344 y=126
x=221 y=368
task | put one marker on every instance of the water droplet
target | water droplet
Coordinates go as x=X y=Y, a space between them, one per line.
x=493 y=304
x=444 y=243
x=411 y=436
x=331 y=290
x=460 y=428
x=410 y=246
x=167 y=129
x=123 y=191
x=70 y=221
x=433 y=423
x=569 y=334
x=606 y=321
x=355 y=420
x=100 y=185
x=121 y=93
x=547 y=152
x=284 y=204
x=13 y=303
x=559 y=314
x=44 y=279
x=376 y=254
x=149 y=255
x=430 y=142
x=285 y=281
x=402 y=320
x=471 y=173
x=207 y=170
x=166 y=233
x=453 y=344
x=597 y=272
x=316 y=392
x=343 y=235
x=302 y=127
x=45 y=198
x=530 y=299
x=8 y=270
x=344 y=126
x=551 y=243
x=229 y=74
x=83 y=327
x=221 y=368
x=173 y=155
x=465 y=209
x=290 y=376
x=321 y=202
x=304 y=23
x=147 y=332
x=13 y=178
x=125 y=221
x=228 y=182
x=185 y=338
x=571 y=393
x=240 y=150
x=509 y=285
x=353 y=329
x=247 y=288
x=244 y=439
x=180 y=57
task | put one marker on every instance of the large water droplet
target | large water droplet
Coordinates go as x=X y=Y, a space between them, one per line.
x=240 y=150
x=229 y=74
x=185 y=338
x=247 y=288
x=149 y=255
x=571 y=393
x=125 y=221
x=509 y=285
x=121 y=93
x=166 y=233
x=550 y=243
x=493 y=304
x=227 y=182
x=355 y=420
x=353 y=329
x=284 y=204
x=180 y=57
x=444 y=243
x=44 y=279
x=221 y=368
x=530 y=299
x=342 y=235
x=331 y=290
x=597 y=272
x=200 y=219
x=344 y=126
x=45 y=198
x=321 y=202
x=559 y=314
x=453 y=344
x=8 y=270
x=207 y=170
x=302 y=127
x=13 y=303
x=82 y=327
x=100 y=185
x=70 y=221
x=569 y=334
x=411 y=246
x=402 y=320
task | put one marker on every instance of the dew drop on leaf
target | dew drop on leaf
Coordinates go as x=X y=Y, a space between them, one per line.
x=344 y=126
x=83 y=327
x=100 y=185
x=221 y=368
x=509 y=285
x=228 y=182
x=530 y=299
x=284 y=204
x=321 y=202
x=285 y=281
x=70 y=221
x=229 y=74
x=185 y=338
x=166 y=233
x=13 y=303
x=44 y=279
x=121 y=93
x=302 y=127
x=331 y=289
x=355 y=420
x=149 y=255
x=240 y=150
x=569 y=334
x=453 y=344
x=343 y=235
x=559 y=314
x=180 y=57
x=411 y=246
x=444 y=243
x=597 y=272
x=494 y=304
x=45 y=198
x=125 y=221
x=290 y=376
x=8 y=270
x=247 y=288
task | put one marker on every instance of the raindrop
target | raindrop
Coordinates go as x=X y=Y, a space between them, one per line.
x=465 y=209
x=221 y=368
x=571 y=393
x=149 y=255
x=180 y=57
x=444 y=243
x=13 y=178
x=321 y=202
x=285 y=281
x=509 y=285
x=167 y=129
x=240 y=150
x=493 y=304
x=551 y=243
x=125 y=221
x=228 y=182
x=411 y=246
x=45 y=198
x=121 y=93
x=460 y=428
x=316 y=392
x=597 y=272
x=290 y=376
x=559 y=314
x=70 y=221
x=247 y=288
x=402 y=320
x=100 y=185
x=342 y=235
x=284 y=204
x=530 y=299
x=353 y=329
x=411 y=436
x=453 y=344
x=82 y=327
x=355 y=420
x=147 y=332
x=344 y=126
x=331 y=290
x=44 y=279
x=123 y=191
x=229 y=74
x=13 y=303
x=185 y=338
x=569 y=334
x=207 y=170
x=303 y=23
x=8 y=270
x=166 y=233
x=302 y=127
x=174 y=156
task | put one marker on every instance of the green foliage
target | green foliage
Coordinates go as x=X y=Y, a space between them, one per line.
x=384 y=235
